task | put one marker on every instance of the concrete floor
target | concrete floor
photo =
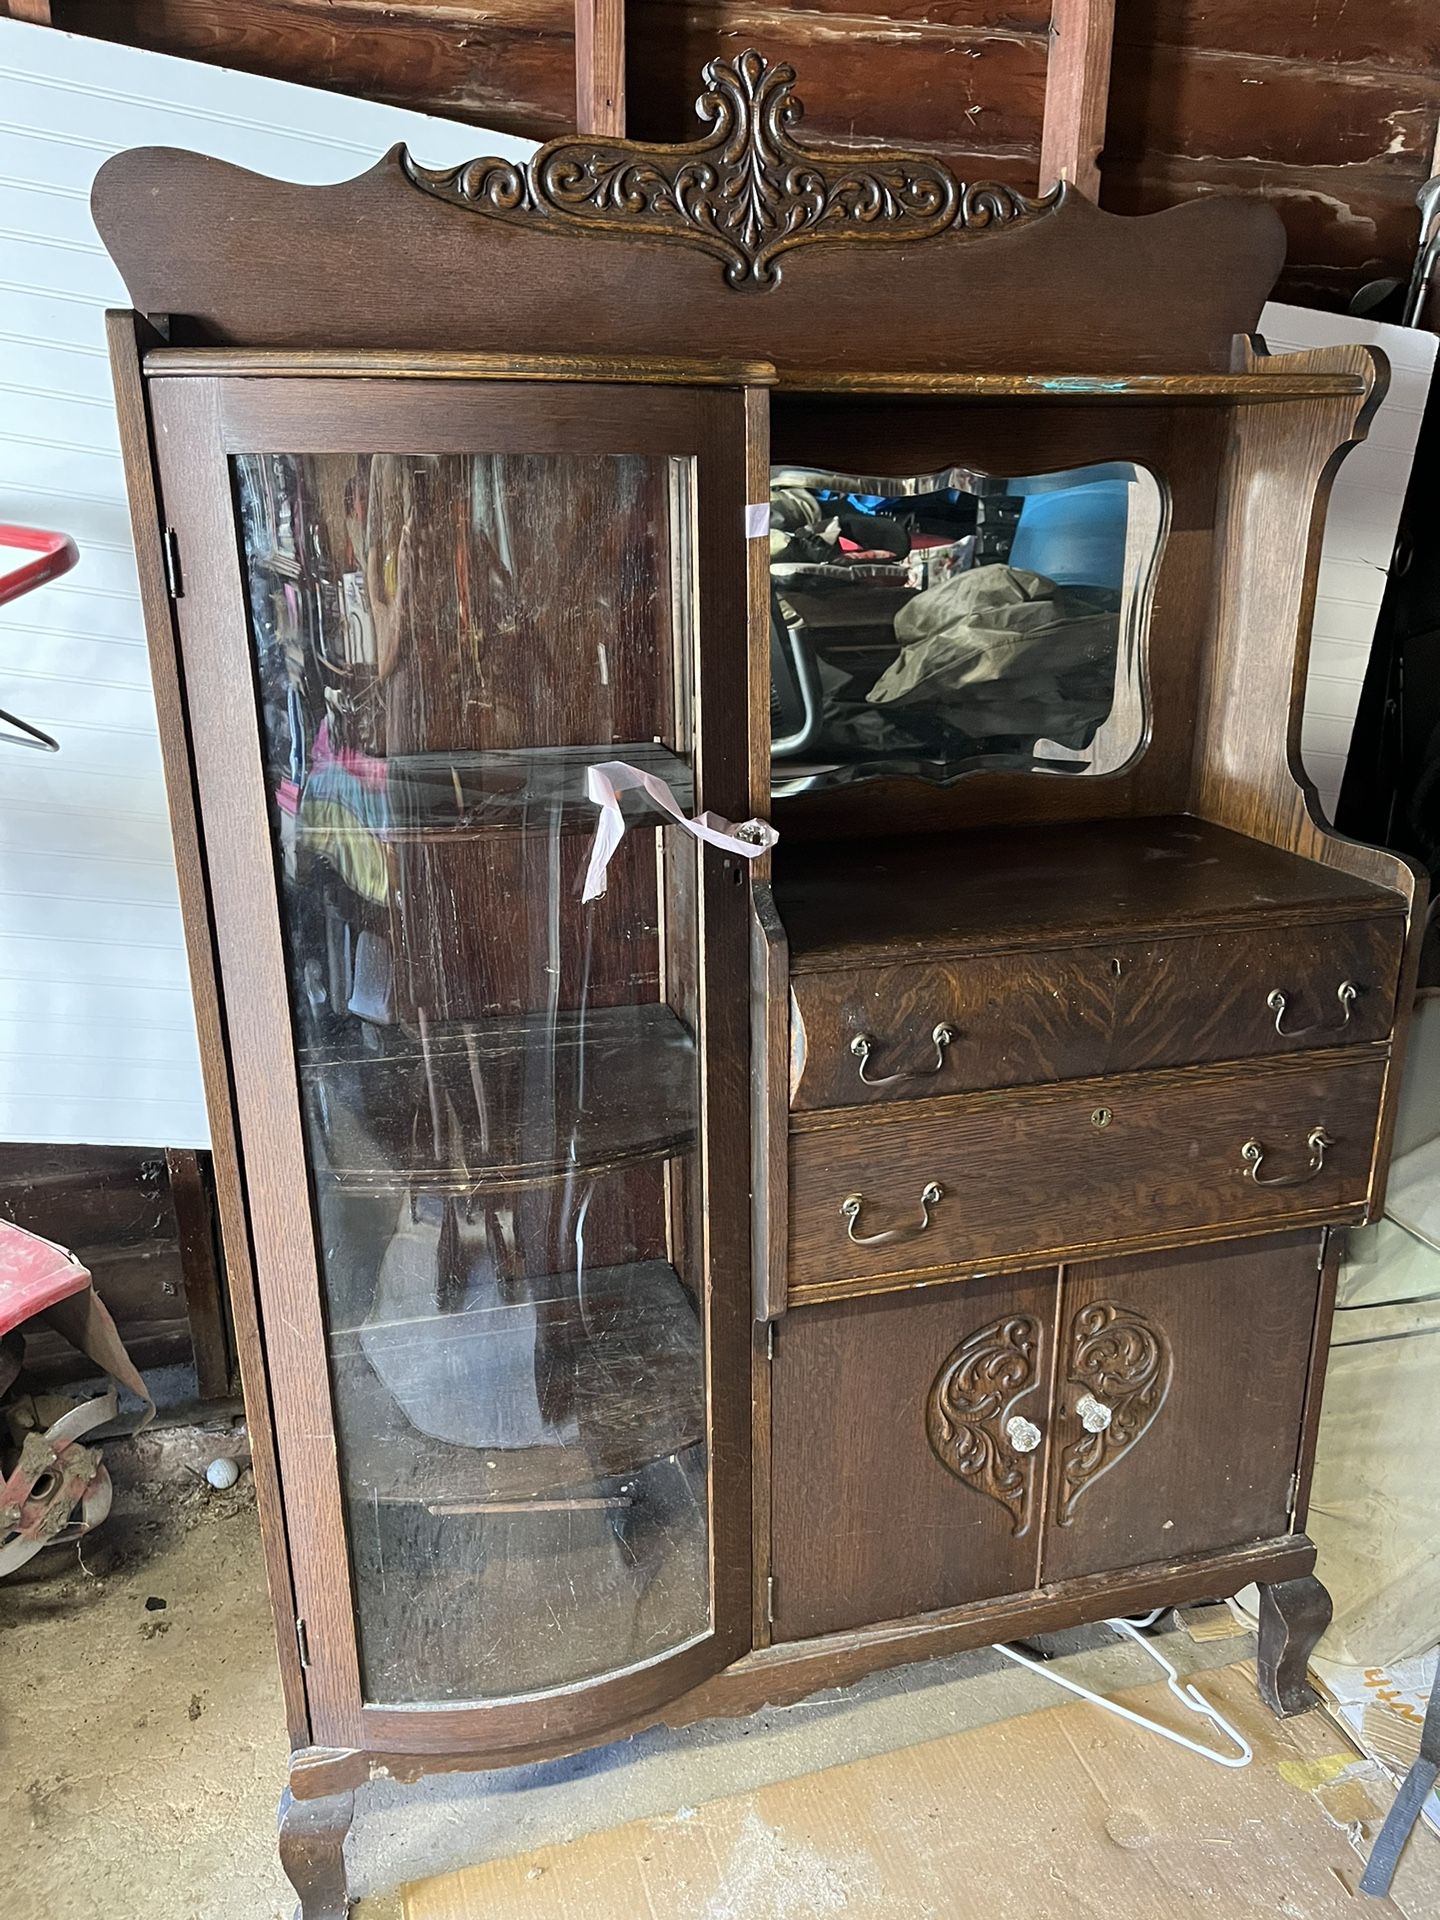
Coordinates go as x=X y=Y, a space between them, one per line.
x=142 y=1747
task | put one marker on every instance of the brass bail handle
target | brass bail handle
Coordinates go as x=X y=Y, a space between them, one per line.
x=1346 y=993
x=1253 y=1154
x=931 y=1196
x=863 y=1045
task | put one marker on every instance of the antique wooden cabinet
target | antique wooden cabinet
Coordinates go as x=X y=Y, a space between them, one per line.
x=677 y=1272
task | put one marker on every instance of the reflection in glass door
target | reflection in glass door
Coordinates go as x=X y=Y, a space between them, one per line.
x=500 y=1085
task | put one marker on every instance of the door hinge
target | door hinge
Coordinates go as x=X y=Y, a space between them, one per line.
x=171 y=545
x=770 y=1340
x=1292 y=1495
x=770 y=1600
x=302 y=1641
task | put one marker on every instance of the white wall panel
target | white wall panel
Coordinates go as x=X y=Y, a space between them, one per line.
x=97 y=1035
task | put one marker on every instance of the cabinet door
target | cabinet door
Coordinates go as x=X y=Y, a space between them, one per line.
x=907 y=1446
x=1180 y=1388
x=494 y=1136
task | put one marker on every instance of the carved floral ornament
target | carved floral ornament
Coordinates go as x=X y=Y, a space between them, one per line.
x=746 y=192
x=1125 y=1362
x=969 y=1403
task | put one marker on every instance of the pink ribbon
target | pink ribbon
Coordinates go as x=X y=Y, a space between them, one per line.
x=606 y=781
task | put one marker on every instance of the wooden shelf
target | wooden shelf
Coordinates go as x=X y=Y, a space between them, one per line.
x=937 y=895
x=482 y=1105
x=630 y=1372
x=1164 y=389
x=430 y=796
x=279 y=363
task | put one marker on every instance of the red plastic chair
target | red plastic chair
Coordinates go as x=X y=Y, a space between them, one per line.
x=56 y=553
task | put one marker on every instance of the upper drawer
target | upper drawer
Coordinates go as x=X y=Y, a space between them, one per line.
x=1027 y=1017
x=1031 y=1176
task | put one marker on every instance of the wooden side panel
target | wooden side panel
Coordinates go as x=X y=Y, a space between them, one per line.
x=1200 y=1359
x=1248 y=773
x=127 y=336
x=872 y=1520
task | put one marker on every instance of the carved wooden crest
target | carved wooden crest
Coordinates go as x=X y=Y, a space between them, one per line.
x=1125 y=1363
x=745 y=192
x=970 y=1404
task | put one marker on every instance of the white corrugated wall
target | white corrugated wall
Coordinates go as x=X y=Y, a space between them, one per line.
x=97 y=1036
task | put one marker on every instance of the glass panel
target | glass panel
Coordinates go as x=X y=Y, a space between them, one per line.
x=946 y=622
x=500 y=1085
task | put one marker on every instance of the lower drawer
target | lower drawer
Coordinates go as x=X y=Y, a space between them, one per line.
x=1034 y=1174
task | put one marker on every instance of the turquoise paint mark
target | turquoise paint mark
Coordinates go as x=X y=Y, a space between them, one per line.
x=1076 y=383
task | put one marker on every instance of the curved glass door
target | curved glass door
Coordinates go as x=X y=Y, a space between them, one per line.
x=500 y=1083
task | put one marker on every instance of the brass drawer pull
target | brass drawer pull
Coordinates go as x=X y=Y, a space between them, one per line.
x=863 y=1045
x=1253 y=1153
x=1346 y=994
x=850 y=1206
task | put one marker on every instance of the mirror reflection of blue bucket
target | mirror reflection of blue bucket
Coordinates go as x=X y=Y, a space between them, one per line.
x=1075 y=536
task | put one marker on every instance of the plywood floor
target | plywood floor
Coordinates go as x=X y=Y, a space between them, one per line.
x=1066 y=1812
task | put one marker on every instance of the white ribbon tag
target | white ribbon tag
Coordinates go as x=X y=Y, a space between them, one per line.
x=605 y=782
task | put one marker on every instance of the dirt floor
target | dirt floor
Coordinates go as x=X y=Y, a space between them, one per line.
x=142 y=1744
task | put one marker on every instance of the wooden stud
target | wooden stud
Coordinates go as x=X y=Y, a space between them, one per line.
x=200 y=1267
x=1077 y=90
x=600 y=67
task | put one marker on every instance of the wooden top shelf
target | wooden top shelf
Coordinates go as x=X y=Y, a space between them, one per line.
x=361 y=363
x=484 y=1105
x=1156 y=388
x=278 y=363
x=944 y=894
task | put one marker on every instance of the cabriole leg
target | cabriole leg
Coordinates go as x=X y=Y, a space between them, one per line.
x=1293 y=1615
x=312 y=1852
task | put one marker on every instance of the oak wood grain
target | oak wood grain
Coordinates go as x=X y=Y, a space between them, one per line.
x=1021 y=1018
x=935 y=897
x=868 y=1524
x=1035 y=1173
x=251 y=262
x=1213 y=1468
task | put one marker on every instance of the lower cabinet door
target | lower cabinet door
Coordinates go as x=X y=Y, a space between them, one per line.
x=908 y=1436
x=1179 y=1396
